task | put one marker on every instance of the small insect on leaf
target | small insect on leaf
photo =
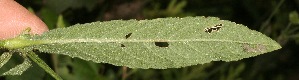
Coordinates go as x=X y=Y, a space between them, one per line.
x=214 y=28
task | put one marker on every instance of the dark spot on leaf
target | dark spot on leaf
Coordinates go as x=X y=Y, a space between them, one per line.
x=69 y=68
x=214 y=28
x=208 y=30
x=122 y=45
x=162 y=44
x=128 y=35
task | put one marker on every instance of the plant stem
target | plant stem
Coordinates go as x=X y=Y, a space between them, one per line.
x=55 y=61
x=43 y=65
x=124 y=74
x=263 y=26
x=2 y=42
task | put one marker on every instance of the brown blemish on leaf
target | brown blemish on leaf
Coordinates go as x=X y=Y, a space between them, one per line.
x=254 y=48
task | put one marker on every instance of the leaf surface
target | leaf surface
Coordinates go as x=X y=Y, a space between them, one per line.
x=159 y=43
x=4 y=58
x=19 y=69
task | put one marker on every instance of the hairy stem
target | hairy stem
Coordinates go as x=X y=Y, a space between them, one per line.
x=43 y=65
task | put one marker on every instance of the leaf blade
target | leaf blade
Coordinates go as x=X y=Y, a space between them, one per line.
x=188 y=43
x=19 y=69
x=4 y=58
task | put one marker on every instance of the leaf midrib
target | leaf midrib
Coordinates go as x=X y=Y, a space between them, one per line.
x=65 y=41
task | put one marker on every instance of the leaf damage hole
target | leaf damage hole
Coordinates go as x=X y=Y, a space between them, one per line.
x=122 y=45
x=128 y=35
x=162 y=44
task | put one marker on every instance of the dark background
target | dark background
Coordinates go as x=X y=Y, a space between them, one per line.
x=275 y=18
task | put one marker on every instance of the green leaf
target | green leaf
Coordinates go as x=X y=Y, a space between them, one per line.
x=60 y=23
x=293 y=17
x=4 y=58
x=159 y=43
x=32 y=73
x=19 y=69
